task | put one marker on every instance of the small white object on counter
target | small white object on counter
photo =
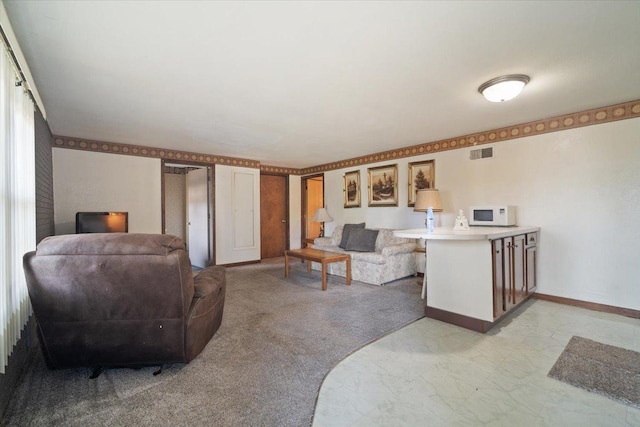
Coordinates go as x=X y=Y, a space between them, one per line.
x=462 y=223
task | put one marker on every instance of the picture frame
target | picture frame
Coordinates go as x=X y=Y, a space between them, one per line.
x=421 y=175
x=383 y=185
x=351 y=189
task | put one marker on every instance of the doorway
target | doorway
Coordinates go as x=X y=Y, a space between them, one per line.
x=274 y=215
x=312 y=199
x=187 y=208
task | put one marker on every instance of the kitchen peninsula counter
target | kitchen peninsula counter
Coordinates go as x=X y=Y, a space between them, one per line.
x=475 y=277
x=474 y=233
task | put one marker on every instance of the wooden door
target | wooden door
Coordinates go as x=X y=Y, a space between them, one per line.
x=274 y=218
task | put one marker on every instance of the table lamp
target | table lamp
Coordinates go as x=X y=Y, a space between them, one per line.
x=321 y=216
x=428 y=200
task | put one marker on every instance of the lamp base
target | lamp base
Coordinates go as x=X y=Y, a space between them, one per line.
x=430 y=221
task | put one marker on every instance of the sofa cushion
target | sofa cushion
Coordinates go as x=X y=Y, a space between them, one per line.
x=329 y=248
x=386 y=238
x=336 y=236
x=362 y=240
x=367 y=257
x=346 y=231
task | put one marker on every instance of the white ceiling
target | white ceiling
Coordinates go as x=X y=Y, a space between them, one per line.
x=299 y=84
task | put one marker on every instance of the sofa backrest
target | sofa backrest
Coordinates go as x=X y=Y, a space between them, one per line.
x=96 y=273
x=336 y=236
x=110 y=287
x=385 y=238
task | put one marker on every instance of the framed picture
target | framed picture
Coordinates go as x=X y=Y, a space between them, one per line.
x=383 y=186
x=421 y=176
x=351 y=189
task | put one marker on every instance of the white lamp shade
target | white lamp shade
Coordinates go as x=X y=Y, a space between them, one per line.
x=321 y=215
x=428 y=198
x=503 y=88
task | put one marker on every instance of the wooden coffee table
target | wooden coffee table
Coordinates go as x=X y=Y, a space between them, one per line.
x=322 y=257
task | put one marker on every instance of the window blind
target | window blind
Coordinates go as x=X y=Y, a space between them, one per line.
x=17 y=204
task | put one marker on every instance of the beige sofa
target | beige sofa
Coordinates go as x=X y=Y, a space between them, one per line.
x=393 y=258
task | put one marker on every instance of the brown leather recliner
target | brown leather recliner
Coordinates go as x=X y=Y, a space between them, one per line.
x=121 y=300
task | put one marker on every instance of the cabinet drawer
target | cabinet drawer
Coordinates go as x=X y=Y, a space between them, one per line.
x=532 y=238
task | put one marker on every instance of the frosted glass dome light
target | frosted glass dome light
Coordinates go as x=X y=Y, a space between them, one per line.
x=503 y=88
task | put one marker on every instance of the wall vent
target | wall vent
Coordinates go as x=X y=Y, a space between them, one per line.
x=481 y=153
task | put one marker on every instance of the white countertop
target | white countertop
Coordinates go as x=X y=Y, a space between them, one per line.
x=474 y=233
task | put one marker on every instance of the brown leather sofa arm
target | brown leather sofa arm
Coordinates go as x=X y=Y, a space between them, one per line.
x=205 y=314
x=209 y=281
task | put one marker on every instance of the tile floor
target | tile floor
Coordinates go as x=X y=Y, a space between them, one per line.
x=434 y=374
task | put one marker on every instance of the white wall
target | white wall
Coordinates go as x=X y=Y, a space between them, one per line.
x=88 y=181
x=237 y=214
x=17 y=51
x=175 y=204
x=582 y=186
x=295 y=212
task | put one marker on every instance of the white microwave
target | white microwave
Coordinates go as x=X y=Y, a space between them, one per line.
x=499 y=216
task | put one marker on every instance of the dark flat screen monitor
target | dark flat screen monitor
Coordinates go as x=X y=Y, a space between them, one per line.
x=102 y=222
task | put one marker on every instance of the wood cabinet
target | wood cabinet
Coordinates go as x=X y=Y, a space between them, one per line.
x=477 y=276
x=497 y=257
x=513 y=269
x=518 y=286
x=530 y=252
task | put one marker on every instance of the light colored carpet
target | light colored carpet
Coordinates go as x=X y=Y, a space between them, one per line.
x=264 y=367
x=600 y=368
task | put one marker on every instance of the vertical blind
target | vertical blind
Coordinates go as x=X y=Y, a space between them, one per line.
x=17 y=204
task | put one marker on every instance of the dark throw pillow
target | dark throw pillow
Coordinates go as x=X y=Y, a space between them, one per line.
x=362 y=240
x=346 y=230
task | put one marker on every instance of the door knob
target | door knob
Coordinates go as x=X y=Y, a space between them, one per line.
x=284 y=220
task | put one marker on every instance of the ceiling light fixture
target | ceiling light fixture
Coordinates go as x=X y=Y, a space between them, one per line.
x=503 y=88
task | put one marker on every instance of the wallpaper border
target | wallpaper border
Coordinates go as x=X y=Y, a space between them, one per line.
x=626 y=110
x=143 y=151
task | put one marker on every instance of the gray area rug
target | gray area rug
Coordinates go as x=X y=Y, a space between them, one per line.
x=600 y=368
x=264 y=366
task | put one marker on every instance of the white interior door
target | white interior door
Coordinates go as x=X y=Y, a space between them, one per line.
x=237 y=207
x=198 y=217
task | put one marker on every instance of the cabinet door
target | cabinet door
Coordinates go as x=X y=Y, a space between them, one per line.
x=497 y=256
x=518 y=283
x=530 y=268
x=509 y=296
